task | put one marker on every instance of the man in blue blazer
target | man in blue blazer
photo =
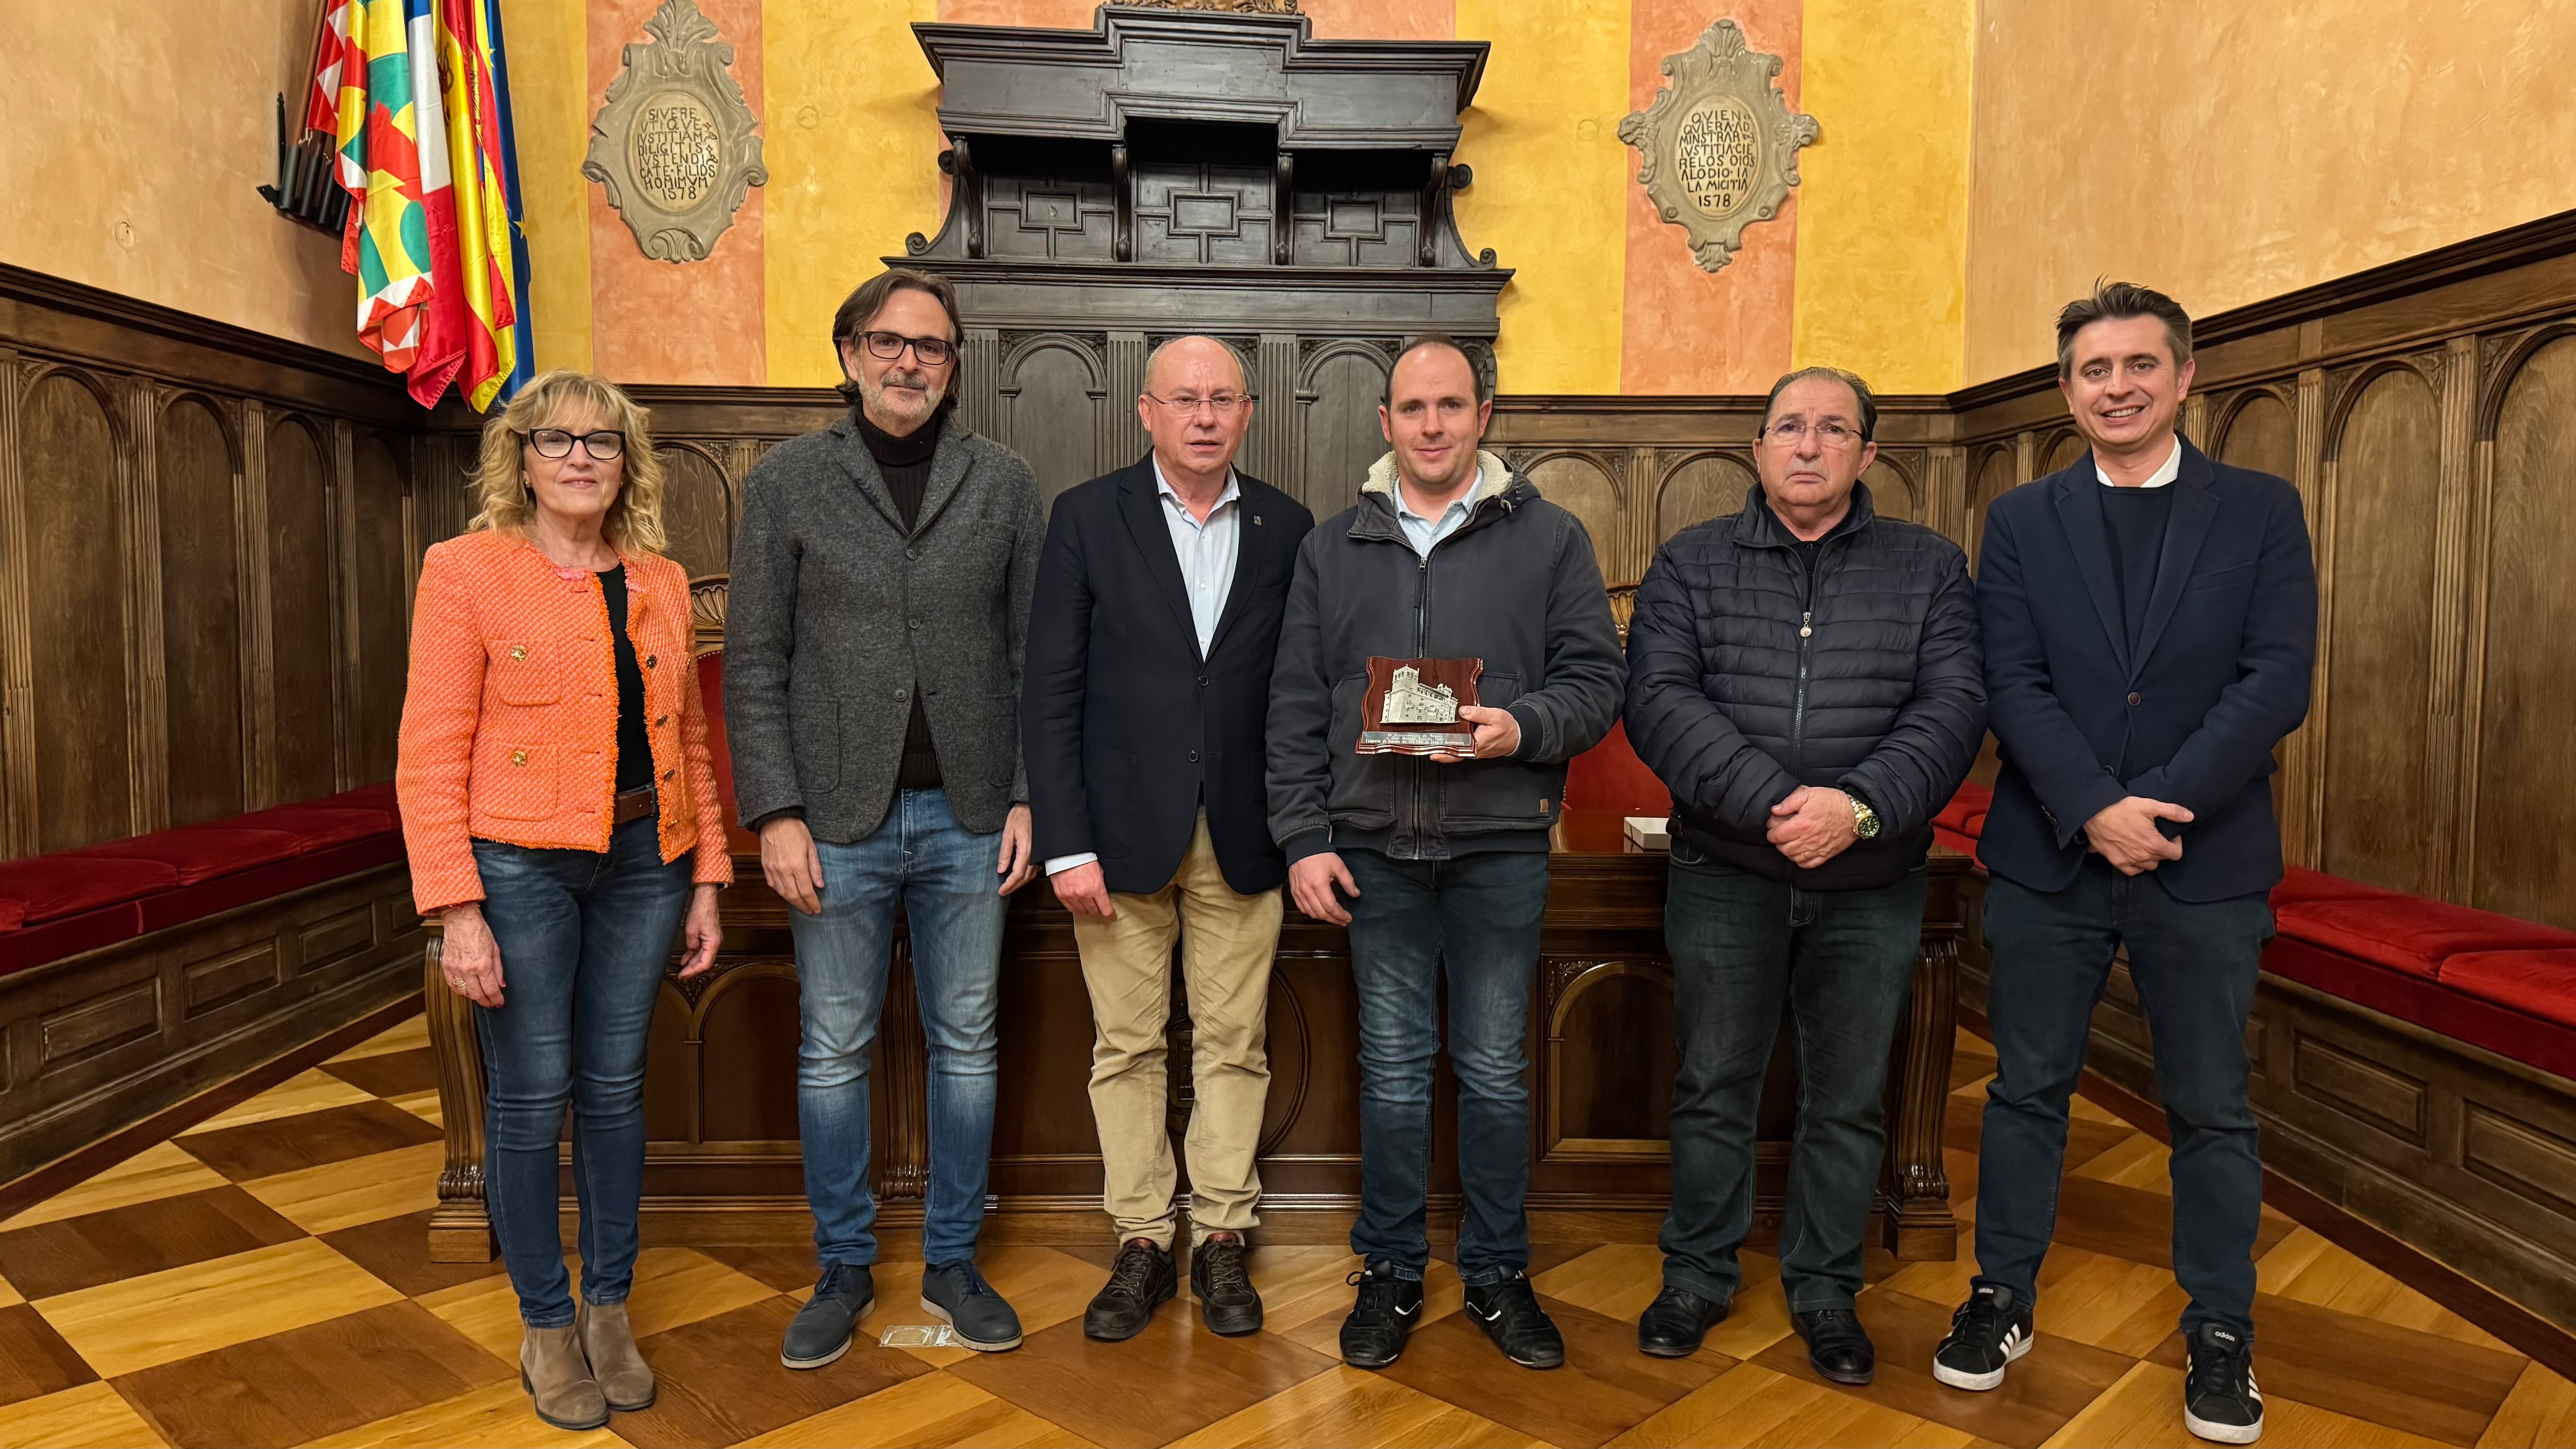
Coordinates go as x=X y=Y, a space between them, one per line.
x=2149 y=619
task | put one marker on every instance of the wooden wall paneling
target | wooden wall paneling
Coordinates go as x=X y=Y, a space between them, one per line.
x=1052 y=392
x=303 y=652
x=2384 y=480
x=2253 y=428
x=2064 y=447
x=2523 y=853
x=1585 y=485
x=77 y=575
x=259 y=723
x=1696 y=487
x=1998 y=473
x=199 y=468
x=1946 y=492
x=698 y=515
x=340 y=449
x=147 y=715
x=1339 y=384
x=380 y=578
x=1895 y=490
x=2303 y=755
x=1122 y=433
x=2454 y=507
x=17 y=626
x=1273 y=449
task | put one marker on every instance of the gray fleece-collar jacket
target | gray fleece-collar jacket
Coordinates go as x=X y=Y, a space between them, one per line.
x=838 y=613
x=1516 y=586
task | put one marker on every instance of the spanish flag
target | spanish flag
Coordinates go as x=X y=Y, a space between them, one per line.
x=407 y=88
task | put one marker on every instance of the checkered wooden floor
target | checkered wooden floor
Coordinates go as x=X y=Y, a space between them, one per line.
x=264 y=1279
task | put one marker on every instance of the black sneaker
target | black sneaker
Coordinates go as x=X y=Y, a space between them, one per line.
x=2219 y=1400
x=1384 y=1316
x=1228 y=1304
x=820 y=1331
x=1674 y=1324
x=1511 y=1317
x=1837 y=1346
x=959 y=1294
x=1141 y=1281
x=1988 y=1332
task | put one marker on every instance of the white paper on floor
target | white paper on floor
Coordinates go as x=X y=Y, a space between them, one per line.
x=919 y=1335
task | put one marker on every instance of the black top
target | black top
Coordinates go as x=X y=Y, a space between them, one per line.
x=634 y=747
x=2136 y=518
x=904 y=463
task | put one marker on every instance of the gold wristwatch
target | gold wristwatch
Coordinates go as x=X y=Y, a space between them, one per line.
x=1864 y=819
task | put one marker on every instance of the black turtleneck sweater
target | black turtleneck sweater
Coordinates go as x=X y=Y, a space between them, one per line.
x=904 y=463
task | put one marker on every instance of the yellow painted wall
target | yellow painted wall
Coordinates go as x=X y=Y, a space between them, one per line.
x=1550 y=177
x=1883 y=199
x=851 y=136
x=131 y=141
x=2228 y=153
x=550 y=109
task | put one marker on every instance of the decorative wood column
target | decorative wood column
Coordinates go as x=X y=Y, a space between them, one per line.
x=1914 y=1187
x=460 y=1227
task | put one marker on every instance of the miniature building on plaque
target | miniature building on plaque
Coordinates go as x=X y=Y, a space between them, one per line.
x=1410 y=701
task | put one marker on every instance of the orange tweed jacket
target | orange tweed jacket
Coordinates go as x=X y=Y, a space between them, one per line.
x=509 y=726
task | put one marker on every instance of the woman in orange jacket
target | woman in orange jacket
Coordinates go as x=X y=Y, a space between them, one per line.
x=559 y=807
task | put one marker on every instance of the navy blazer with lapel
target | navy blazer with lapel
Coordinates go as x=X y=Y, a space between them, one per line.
x=1125 y=727
x=2220 y=674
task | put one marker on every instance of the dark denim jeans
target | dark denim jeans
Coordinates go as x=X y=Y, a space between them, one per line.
x=584 y=940
x=944 y=878
x=1477 y=917
x=1843 y=964
x=2194 y=965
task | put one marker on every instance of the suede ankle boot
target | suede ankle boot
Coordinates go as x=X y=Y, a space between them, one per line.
x=614 y=1360
x=557 y=1378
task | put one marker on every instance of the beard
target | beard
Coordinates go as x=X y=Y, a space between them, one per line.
x=911 y=407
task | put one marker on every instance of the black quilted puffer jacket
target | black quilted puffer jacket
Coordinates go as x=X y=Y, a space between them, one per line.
x=1750 y=675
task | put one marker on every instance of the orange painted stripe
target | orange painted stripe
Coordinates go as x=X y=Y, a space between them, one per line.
x=694 y=322
x=1685 y=330
x=1382 y=19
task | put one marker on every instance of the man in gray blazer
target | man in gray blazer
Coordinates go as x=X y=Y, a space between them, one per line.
x=879 y=613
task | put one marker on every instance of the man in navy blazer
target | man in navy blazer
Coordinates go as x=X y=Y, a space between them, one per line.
x=1144 y=721
x=2149 y=619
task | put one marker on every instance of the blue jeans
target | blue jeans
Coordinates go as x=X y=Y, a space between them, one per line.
x=1477 y=916
x=2194 y=964
x=584 y=940
x=945 y=879
x=1843 y=963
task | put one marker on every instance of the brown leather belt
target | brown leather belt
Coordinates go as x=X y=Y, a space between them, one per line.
x=633 y=805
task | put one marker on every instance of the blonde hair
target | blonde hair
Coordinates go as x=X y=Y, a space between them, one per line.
x=551 y=399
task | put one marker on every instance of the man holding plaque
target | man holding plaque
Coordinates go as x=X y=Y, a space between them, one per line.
x=1148 y=691
x=1803 y=674
x=1447 y=648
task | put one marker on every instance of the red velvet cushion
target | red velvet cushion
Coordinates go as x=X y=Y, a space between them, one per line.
x=1609 y=776
x=277 y=878
x=1964 y=844
x=69 y=936
x=366 y=797
x=711 y=690
x=318 y=824
x=2407 y=933
x=45 y=888
x=1966 y=809
x=201 y=852
x=2540 y=983
x=2431 y=1005
x=2298 y=883
x=1975 y=829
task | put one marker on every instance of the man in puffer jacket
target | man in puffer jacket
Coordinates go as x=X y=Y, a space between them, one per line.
x=1804 y=676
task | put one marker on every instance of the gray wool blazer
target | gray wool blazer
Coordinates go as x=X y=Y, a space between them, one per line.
x=837 y=614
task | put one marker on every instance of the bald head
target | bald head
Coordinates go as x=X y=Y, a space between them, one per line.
x=1196 y=408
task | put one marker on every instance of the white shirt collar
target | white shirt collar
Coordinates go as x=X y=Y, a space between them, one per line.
x=1163 y=485
x=2164 y=474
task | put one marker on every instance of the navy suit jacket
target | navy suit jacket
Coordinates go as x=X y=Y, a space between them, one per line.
x=1127 y=730
x=2221 y=673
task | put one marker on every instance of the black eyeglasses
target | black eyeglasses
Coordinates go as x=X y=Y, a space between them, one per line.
x=603 y=446
x=930 y=351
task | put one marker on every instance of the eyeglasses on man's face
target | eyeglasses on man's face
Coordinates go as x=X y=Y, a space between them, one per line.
x=1828 y=433
x=603 y=446
x=1188 y=404
x=928 y=351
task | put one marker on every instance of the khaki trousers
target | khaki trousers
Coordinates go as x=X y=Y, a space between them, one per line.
x=1227 y=942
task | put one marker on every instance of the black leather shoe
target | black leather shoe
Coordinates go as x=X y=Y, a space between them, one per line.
x=1382 y=1319
x=1228 y=1304
x=820 y=1331
x=1511 y=1317
x=1141 y=1281
x=1673 y=1325
x=1837 y=1346
x=983 y=1320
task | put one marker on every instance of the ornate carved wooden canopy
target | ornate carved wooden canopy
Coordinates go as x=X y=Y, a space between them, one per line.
x=1172 y=171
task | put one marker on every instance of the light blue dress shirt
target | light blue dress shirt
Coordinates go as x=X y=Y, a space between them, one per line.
x=1423 y=532
x=1207 y=552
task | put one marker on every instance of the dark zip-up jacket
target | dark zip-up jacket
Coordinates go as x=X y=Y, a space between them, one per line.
x=1516 y=586
x=1751 y=673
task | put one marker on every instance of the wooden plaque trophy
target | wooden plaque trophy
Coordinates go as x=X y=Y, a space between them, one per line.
x=1411 y=707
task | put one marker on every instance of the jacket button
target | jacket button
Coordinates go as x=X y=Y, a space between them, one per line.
x=518 y=757
x=902 y=694
x=2137 y=699
x=650 y=660
x=916 y=623
x=667 y=774
x=912 y=553
x=518 y=651
x=1194 y=757
x=660 y=720
x=1203 y=681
